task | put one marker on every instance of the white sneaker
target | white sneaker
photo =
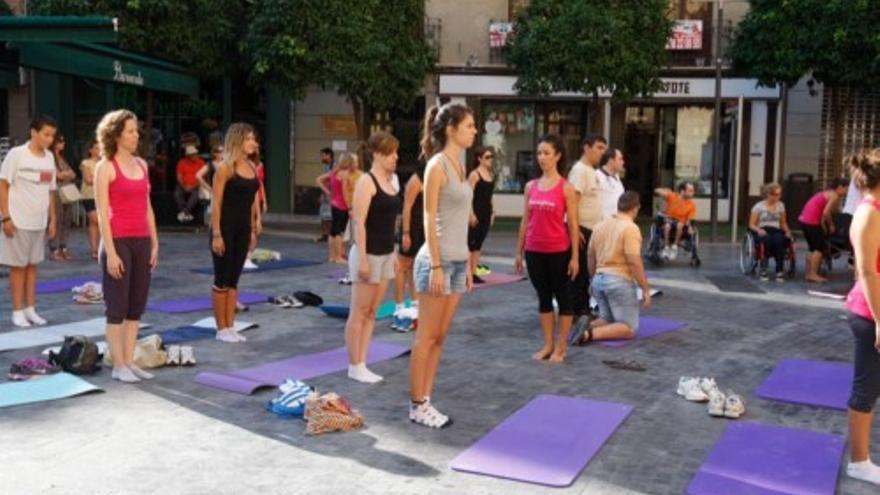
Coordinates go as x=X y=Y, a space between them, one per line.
x=673 y=253
x=226 y=335
x=682 y=390
x=693 y=392
x=664 y=255
x=187 y=357
x=716 y=403
x=249 y=265
x=181 y=217
x=33 y=317
x=708 y=385
x=20 y=320
x=125 y=375
x=426 y=415
x=865 y=471
x=143 y=375
x=173 y=358
x=734 y=406
x=360 y=373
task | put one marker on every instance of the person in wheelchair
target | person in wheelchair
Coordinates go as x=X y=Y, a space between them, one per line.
x=817 y=222
x=675 y=222
x=769 y=227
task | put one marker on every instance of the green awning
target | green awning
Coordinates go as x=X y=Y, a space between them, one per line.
x=108 y=64
x=34 y=29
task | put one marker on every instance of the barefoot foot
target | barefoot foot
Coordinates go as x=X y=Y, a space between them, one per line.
x=544 y=353
x=557 y=357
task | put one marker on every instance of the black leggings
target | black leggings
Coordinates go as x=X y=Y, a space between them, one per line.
x=549 y=275
x=227 y=268
x=866 y=373
x=774 y=246
x=580 y=287
x=126 y=297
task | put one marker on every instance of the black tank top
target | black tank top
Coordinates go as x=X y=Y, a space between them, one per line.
x=417 y=215
x=380 y=221
x=238 y=198
x=483 y=197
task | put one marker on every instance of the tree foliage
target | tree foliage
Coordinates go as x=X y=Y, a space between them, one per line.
x=372 y=51
x=201 y=34
x=586 y=46
x=835 y=41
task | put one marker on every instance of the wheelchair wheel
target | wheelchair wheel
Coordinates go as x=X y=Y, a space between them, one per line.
x=653 y=252
x=748 y=261
x=791 y=261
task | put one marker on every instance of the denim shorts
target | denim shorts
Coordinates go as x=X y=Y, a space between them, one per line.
x=617 y=298
x=455 y=273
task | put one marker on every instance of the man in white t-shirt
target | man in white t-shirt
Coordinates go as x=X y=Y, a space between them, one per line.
x=582 y=177
x=610 y=185
x=27 y=185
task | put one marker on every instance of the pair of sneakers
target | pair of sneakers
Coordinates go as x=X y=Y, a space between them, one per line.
x=426 y=414
x=230 y=336
x=287 y=301
x=345 y=280
x=765 y=276
x=669 y=253
x=403 y=324
x=180 y=355
x=705 y=389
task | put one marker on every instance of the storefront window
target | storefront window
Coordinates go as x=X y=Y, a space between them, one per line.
x=686 y=149
x=513 y=129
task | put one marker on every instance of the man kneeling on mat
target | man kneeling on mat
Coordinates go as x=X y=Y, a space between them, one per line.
x=615 y=263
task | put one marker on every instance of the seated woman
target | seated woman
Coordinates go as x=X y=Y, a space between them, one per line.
x=770 y=228
x=817 y=221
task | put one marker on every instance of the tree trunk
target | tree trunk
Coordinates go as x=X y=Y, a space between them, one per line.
x=839 y=106
x=360 y=118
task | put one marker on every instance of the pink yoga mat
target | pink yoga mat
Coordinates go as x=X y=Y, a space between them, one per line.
x=247 y=381
x=548 y=441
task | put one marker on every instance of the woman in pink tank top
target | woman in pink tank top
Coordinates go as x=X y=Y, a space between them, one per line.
x=863 y=303
x=550 y=245
x=129 y=244
x=817 y=222
x=333 y=185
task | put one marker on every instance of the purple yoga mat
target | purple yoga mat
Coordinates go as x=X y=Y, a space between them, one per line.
x=649 y=326
x=493 y=279
x=201 y=303
x=751 y=458
x=548 y=441
x=64 y=284
x=814 y=383
x=248 y=380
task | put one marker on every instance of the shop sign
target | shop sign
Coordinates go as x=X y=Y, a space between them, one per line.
x=674 y=87
x=339 y=125
x=119 y=75
x=498 y=33
x=686 y=35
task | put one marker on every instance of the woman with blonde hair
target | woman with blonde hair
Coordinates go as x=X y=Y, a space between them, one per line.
x=235 y=224
x=770 y=227
x=371 y=263
x=129 y=242
x=333 y=184
x=863 y=303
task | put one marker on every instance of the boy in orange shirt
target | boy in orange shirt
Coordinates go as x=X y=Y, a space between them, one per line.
x=680 y=212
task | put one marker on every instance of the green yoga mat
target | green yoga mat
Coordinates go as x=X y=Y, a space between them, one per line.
x=52 y=387
x=386 y=309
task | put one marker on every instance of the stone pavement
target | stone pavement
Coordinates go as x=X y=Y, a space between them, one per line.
x=172 y=436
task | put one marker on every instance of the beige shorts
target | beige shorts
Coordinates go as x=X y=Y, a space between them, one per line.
x=26 y=247
x=381 y=267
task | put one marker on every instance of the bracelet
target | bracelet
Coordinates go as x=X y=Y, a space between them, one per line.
x=438 y=267
x=6 y=219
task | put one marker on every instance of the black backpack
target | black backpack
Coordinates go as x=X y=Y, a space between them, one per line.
x=78 y=355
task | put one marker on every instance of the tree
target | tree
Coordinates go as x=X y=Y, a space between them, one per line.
x=371 y=51
x=586 y=46
x=834 y=42
x=201 y=34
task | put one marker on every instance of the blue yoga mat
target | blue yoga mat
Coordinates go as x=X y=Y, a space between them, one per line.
x=265 y=267
x=190 y=304
x=548 y=441
x=752 y=458
x=64 y=284
x=52 y=387
x=188 y=333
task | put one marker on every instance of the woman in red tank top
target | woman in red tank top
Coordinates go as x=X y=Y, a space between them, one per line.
x=550 y=245
x=863 y=303
x=129 y=244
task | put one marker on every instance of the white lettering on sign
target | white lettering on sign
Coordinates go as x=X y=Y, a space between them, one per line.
x=675 y=87
x=120 y=76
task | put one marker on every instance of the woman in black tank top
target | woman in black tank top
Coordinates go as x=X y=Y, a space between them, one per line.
x=235 y=224
x=482 y=180
x=371 y=259
x=412 y=237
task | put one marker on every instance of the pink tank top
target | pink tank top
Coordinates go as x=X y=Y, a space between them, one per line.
x=546 y=231
x=128 y=204
x=337 y=198
x=856 y=300
x=812 y=212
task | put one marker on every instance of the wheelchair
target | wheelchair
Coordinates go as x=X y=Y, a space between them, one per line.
x=752 y=254
x=690 y=243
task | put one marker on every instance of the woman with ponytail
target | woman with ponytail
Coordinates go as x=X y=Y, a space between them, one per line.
x=441 y=268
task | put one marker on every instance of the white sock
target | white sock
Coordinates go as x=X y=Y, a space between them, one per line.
x=865 y=471
x=31 y=314
x=360 y=373
x=19 y=319
x=370 y=374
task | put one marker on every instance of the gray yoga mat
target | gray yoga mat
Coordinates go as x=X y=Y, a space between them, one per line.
x=43 y=336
